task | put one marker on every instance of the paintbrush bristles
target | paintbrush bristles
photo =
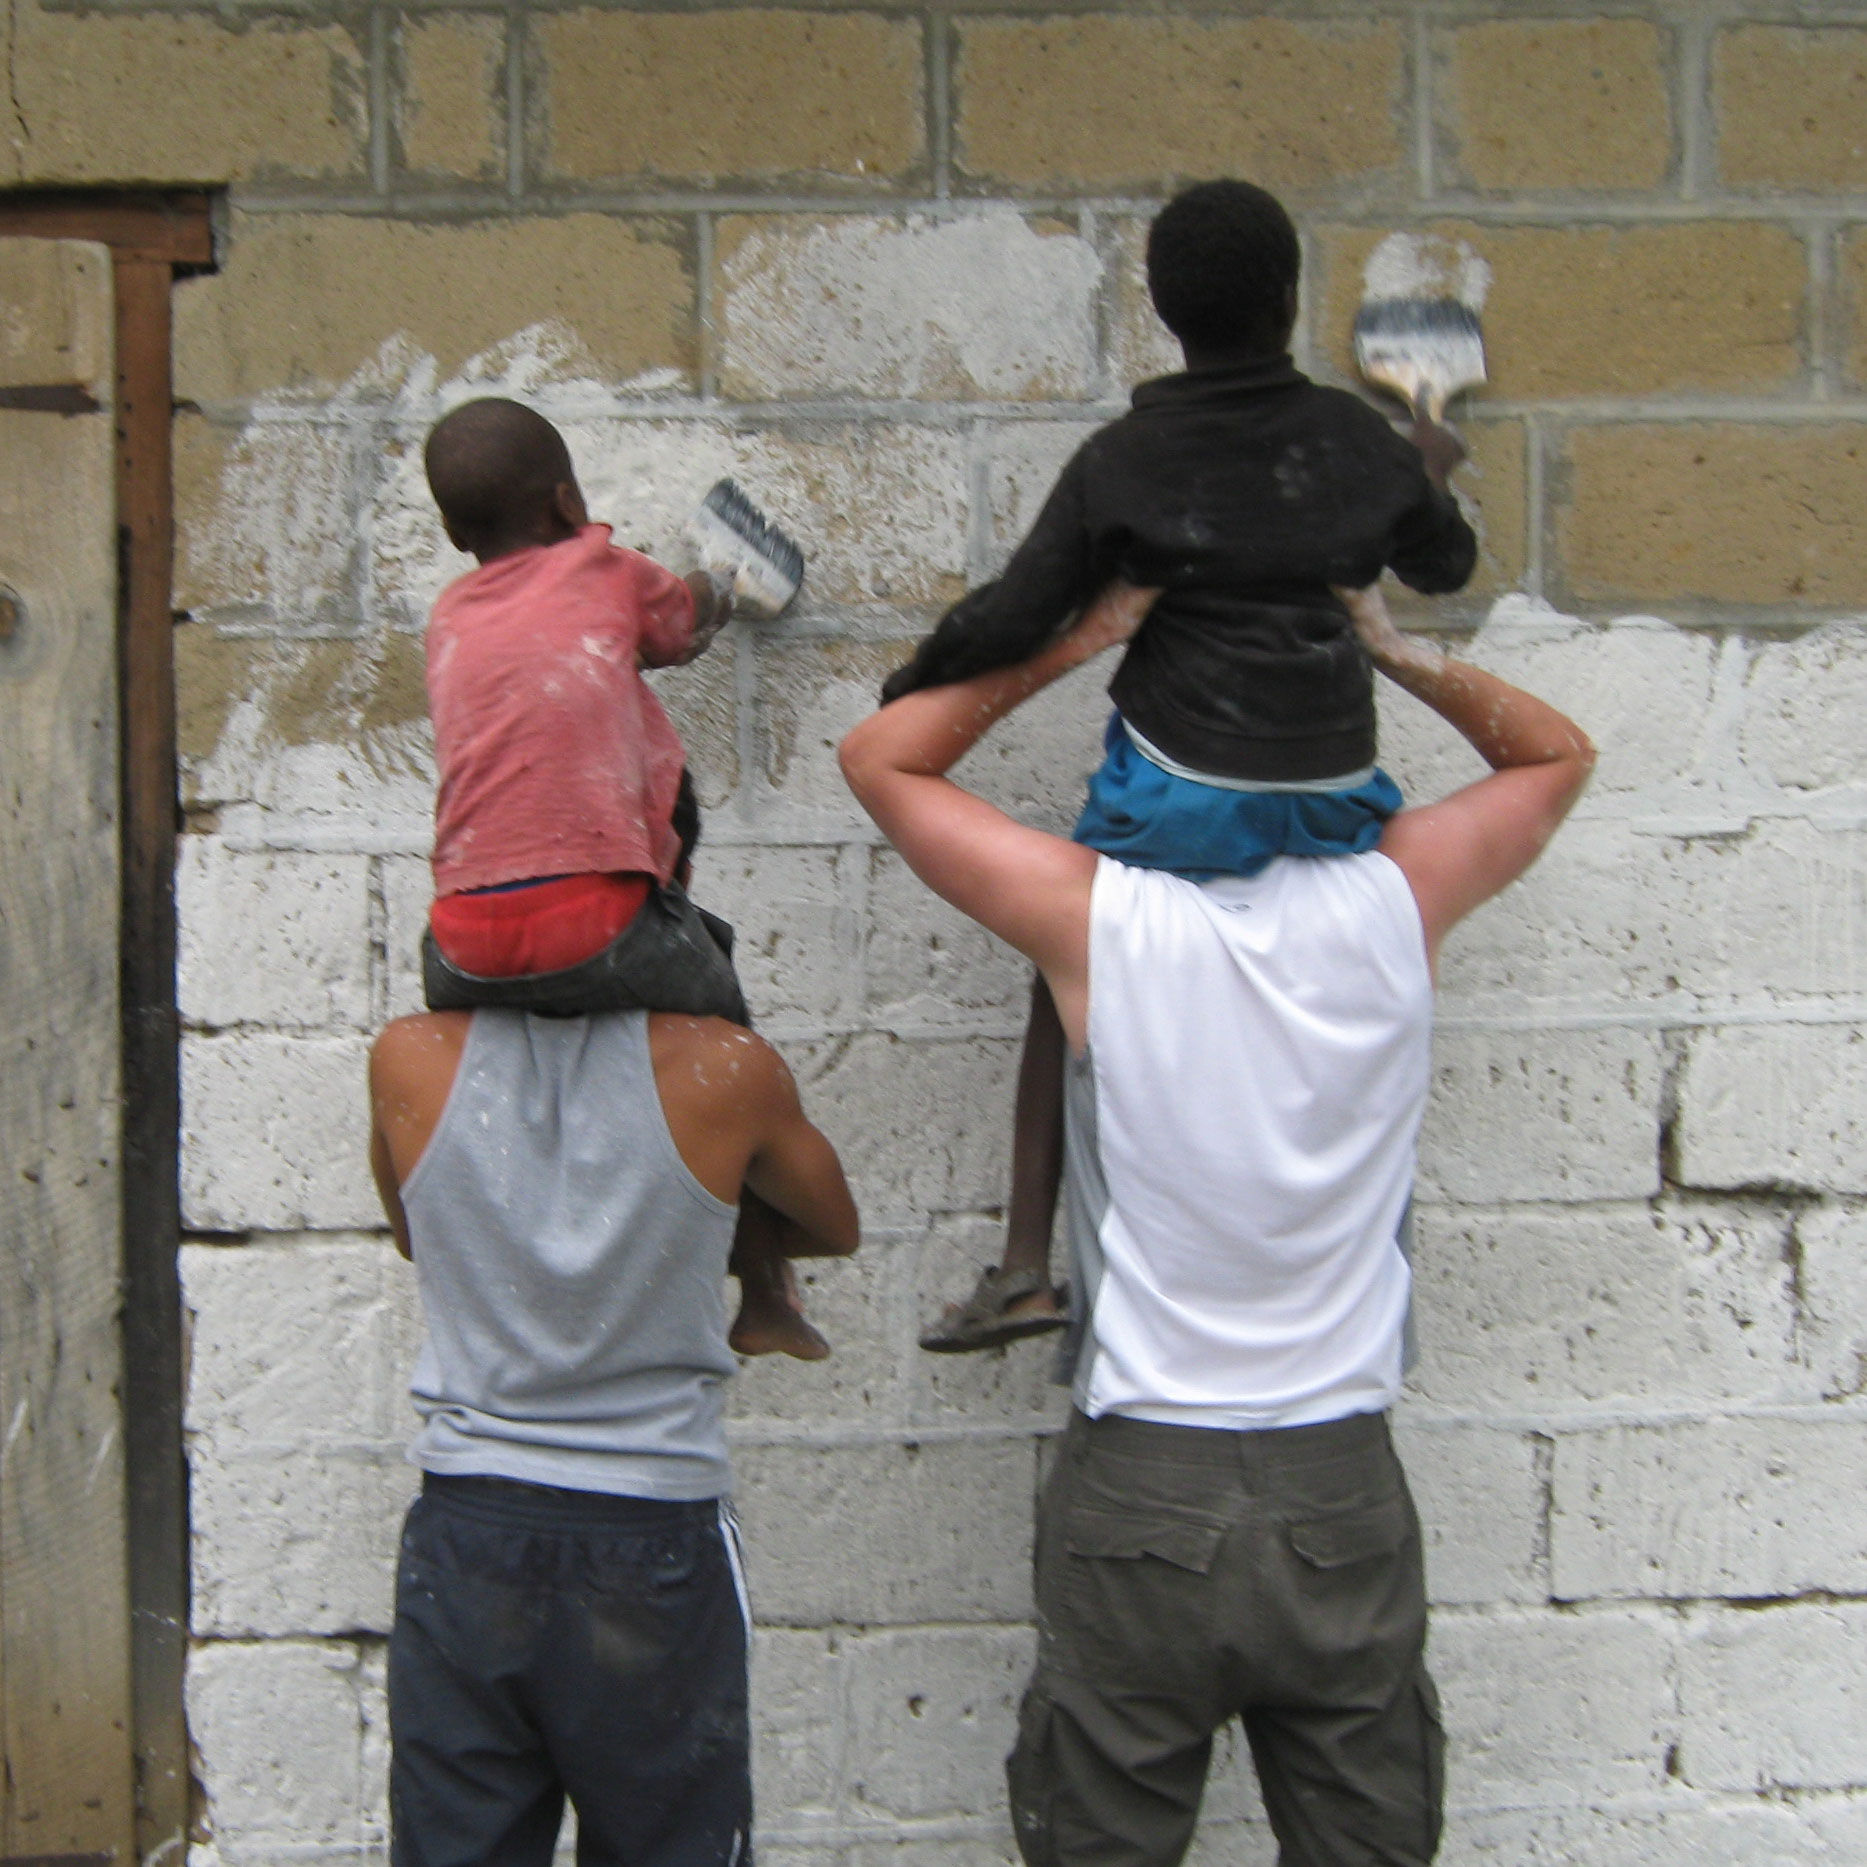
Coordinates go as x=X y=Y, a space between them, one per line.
x=1425 y=350
x=764 y=565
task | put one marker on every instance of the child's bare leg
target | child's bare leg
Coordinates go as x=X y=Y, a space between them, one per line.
x=1016 y=1297
x=1036 y=1149
x=771 y=1317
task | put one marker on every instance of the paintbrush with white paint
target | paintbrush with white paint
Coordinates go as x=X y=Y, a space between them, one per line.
x=762 y=565
x=1417 y=334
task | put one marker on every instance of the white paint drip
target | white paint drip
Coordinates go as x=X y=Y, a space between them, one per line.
x=1421 y=265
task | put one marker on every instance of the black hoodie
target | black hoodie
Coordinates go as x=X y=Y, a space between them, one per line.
x=1243 y=492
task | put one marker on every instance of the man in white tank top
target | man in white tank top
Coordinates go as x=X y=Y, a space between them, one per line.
x=1226 y=1531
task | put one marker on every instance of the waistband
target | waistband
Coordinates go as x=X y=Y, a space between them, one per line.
x=1268 y=1448
x=1348 y=781
x=557 y=1507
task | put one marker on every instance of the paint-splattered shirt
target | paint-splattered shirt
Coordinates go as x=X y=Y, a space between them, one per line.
x=555 y=758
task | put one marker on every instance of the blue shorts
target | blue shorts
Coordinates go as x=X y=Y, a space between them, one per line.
x=1154 y=819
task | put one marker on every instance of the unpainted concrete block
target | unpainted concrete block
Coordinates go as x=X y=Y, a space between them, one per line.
x=407 y=893
x=1777 y=1105
x=731 y=94
x=1542 y=1114
x=984 y=306
x=451 y=115
x=298 y=1345
x=1479 y=1494
x=306 y=303
x=59 y=327
x=927 y=964
x=827 y=1536
x=1109 y=102
x=1676 y=1829
x=1831 y=1261
x=1139 y=345
x=1788 y=107
x=278 y=1728
x=1702 y=305
x=800 y=1725
x=165 y=97
x=1742 y=1508
x=1522 y=1308
x=811 y=693
x=297 y=1542
x=1558 y=103
x=932 y=1713
x=1805 y=1727
x=1550 y=1707
x=275 y=1133
x=921 y=1127
x=796 y=938
x=1022 y=468
x=278 y=938
x=1720 y=511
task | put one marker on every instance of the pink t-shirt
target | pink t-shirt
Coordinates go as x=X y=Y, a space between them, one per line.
x=555 y=758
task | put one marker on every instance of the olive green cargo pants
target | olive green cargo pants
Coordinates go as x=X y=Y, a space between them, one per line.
x=1186 y=1576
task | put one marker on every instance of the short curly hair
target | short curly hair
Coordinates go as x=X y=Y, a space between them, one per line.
x=1222 y=263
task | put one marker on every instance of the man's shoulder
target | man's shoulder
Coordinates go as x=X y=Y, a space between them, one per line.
x=735 y=1058
x=425 y=1040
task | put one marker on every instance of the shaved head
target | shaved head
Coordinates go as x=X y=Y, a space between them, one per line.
x=495 y=467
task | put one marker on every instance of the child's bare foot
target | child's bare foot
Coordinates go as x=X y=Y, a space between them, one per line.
x=771 y=1319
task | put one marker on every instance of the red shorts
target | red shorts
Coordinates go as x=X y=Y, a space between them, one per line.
x=510 y=933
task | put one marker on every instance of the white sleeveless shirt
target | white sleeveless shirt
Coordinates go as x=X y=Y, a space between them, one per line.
x=1241 y=1142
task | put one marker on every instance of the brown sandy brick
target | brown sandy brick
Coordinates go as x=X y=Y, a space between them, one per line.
x=1854 y=286
x=453 y=111
x=1791 y=106
x=1722 y=511
x=1103 y=100
x=310 y=300
x=731 y=95
x=166 y=97
x=1558 y=103
x=1713 y=305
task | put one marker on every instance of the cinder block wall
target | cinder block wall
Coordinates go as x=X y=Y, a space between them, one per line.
x=881 y=263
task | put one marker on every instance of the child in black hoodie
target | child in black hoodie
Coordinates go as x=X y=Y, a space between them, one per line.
x=1244 y=726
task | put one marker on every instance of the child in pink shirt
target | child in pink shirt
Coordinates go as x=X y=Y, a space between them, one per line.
x=565 y=819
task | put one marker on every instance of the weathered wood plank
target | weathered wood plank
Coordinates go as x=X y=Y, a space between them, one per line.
x=64 y=1634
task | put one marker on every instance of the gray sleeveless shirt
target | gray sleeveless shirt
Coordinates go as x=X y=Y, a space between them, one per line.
x=571 y=1270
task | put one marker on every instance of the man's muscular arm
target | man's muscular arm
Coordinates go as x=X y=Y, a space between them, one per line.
x=1462 y=850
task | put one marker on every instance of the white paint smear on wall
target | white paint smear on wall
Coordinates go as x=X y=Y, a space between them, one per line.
x=1421 y=265
x=980 y=306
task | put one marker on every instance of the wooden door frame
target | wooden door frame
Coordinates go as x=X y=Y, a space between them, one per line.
x=153 y=236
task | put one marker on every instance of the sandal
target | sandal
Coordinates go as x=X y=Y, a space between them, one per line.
x=981 y=1321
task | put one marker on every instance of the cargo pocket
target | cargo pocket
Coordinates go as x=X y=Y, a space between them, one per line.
x=1347 y=1537
x=1188 y=1542
x=1135 y=1601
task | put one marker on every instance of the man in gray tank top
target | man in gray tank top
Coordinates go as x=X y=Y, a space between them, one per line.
x=1226 y=1531
x=570 y=1607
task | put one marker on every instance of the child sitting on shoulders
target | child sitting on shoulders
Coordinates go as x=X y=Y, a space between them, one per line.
x=565 y=819
x=1244 y=726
